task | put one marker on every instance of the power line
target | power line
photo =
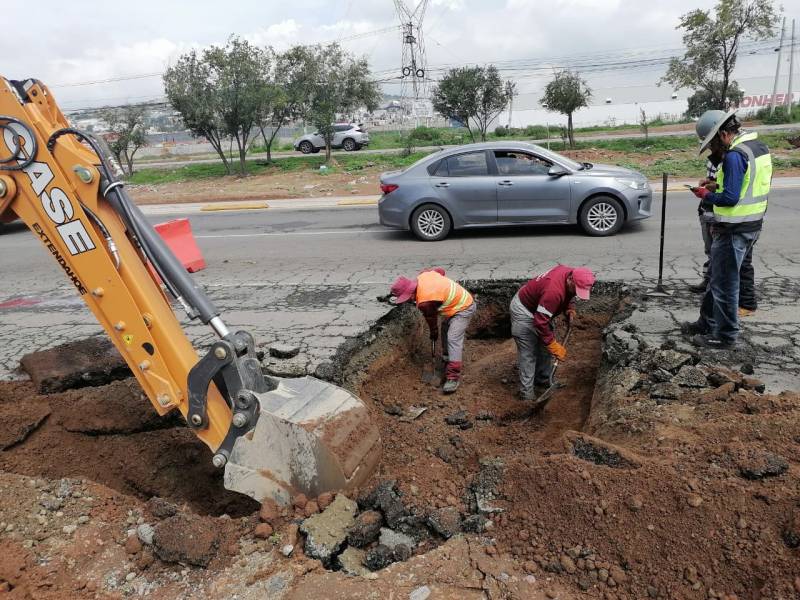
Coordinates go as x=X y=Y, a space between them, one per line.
x=355 y=36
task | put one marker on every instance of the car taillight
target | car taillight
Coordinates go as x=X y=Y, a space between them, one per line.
x=388 y=188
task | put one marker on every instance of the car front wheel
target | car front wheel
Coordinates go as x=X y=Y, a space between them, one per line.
x=602 y=216
x=431 y=223
x=306 y=147
x=349 y=145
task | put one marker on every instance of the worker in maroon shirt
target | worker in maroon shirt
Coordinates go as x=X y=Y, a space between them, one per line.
x=434 y=295
x=533 y=309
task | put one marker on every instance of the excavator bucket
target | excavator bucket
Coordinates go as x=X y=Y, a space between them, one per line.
x=311 y=437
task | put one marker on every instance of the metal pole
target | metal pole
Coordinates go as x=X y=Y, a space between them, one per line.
x=659 y=286
x=778 y=68
x=659 y=290
x=791 y=74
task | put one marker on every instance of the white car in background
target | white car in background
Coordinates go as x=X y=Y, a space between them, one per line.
x=346 y=135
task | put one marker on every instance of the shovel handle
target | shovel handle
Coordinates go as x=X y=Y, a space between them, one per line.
x=555 y=362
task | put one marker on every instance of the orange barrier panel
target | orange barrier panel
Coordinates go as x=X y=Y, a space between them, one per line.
x=178 y=236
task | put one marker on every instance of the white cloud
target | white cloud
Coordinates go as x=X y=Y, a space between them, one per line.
x=63 y=48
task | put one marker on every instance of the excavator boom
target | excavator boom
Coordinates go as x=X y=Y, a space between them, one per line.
x=274 y=437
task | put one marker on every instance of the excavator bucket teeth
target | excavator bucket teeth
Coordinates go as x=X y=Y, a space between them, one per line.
x=311 y=437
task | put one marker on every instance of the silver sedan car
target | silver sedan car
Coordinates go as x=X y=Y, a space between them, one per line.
x=510 y=183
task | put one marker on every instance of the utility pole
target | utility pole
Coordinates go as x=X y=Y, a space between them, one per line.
x=777 y=68
x=791 y=73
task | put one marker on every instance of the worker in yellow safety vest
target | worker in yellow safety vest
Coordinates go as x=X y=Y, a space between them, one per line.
x=738 y=206
x=437 y=295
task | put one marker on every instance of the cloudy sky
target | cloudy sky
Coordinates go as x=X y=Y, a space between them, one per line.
x=76 y=47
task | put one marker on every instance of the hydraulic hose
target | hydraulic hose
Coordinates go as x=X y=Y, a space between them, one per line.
x=169 y=269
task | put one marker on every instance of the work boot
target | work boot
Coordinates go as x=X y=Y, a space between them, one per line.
x=709 y=341
x=450 y=386
x=746 y=312
x=699 y=288
x=692 y=328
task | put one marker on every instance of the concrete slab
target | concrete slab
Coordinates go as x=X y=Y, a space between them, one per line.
x=91 y=361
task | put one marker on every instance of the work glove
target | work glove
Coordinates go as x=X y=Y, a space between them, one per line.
x=557 y=350
x=701 y=192
x=570 y=314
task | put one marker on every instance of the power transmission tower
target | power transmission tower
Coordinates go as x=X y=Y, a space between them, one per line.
x=413 y=76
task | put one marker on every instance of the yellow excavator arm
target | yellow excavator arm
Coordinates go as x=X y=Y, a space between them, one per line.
x=274 y=437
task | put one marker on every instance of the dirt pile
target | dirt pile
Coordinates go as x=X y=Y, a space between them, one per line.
x=111 y=435
x=681 y=496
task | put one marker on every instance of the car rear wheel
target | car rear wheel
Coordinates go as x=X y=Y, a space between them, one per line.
x=431 y=223
x=349 y=144
x=602 y=216
x=306 y=147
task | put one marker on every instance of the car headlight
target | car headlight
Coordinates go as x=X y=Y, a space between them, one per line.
x=634 y=184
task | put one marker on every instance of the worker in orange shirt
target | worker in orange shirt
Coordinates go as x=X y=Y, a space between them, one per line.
x=437 y=295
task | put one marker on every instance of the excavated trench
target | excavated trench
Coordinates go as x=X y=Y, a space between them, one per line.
x=110 y=434
x=444 y=457
x=679 y=499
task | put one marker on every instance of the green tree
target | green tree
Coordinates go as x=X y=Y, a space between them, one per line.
x=341 y=84
x=221 y=93
x=709 y=99
x=291 y=86
x=126 y=129
x=473 y=96
x=191 y=93
x=239 y=72
x=712 y=43
x=565 y=94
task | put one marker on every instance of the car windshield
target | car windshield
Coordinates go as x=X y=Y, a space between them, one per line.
x=555 y=156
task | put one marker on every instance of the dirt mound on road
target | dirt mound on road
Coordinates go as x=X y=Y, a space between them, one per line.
x=112 y=435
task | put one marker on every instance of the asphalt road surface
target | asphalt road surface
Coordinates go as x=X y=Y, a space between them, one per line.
x=311 y=276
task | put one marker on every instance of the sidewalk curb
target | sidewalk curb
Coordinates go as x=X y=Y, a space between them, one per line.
x=358 y=202
x=234 y=206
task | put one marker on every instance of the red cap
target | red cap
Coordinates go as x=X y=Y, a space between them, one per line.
x=584 y=280
x=402 y=289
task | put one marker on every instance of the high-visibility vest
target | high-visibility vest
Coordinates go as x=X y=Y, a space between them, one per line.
x=431 y=286
x=755 y=186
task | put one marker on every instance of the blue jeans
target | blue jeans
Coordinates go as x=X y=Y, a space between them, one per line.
x=719 y=311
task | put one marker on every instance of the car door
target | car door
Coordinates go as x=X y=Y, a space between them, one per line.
x=526 y=193
x=317 y=139
x=339 y=133
x=468 y=190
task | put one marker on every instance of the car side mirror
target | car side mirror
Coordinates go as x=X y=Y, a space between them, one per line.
x=557 y=171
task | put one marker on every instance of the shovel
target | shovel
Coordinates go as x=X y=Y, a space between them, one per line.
x=542 y=400
x=432 y=372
